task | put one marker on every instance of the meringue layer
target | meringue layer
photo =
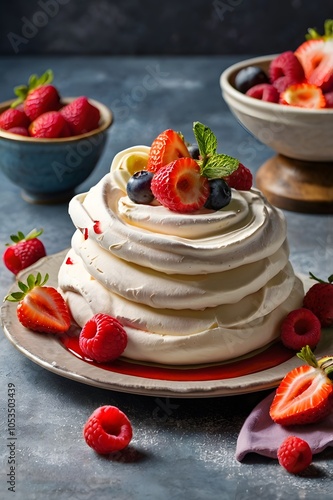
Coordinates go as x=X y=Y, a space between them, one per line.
x=189 y=288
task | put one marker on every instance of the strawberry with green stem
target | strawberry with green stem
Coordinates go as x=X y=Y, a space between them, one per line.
x=24 y=250
x=305 y=395
x=40 y=308
x=38 y=97
x=319 y=299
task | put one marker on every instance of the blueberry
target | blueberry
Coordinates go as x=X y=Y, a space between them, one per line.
x=220 y=194
x=138 y=187
x=193 y=149
x=248 y=77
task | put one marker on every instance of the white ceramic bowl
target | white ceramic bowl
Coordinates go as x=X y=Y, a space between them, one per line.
x=299 y=133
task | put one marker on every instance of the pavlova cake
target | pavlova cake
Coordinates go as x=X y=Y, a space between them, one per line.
x=177 y=245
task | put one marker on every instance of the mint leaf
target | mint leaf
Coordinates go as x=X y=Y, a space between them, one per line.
x=205 y=138
x=219 y=165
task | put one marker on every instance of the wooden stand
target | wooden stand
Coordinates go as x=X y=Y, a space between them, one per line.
x=297 y=185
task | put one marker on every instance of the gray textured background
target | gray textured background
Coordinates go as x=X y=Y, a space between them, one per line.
x=153 y=27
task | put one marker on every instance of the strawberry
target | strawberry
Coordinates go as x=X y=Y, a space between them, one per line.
x=49 y=125
x=19 y=131
x=319 y=299
x=180 y=186
x=40 y=100
x=305 y=395
x=13 y=118
x=41 y=308
x=285 y=70
x=264 y=92
x=304 y=95
x=81 y=116
x=241 y=178
x=300 y=328
x=316 y=56
x=24 y=251
x=167 y=147
x=294 y=454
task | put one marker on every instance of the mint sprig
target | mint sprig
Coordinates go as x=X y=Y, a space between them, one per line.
x=212 y=164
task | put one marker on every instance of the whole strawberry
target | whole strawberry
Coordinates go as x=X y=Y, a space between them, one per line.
x=38 y=96
x=23 y=251
x=81 y=116
x=49 y=125
x=41 y=308
x=12 y=118
x=319 y=299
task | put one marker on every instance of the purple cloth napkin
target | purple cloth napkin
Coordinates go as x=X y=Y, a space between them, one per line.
x=261 y=435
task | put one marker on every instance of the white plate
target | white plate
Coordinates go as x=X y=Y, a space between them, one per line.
x=49 y=353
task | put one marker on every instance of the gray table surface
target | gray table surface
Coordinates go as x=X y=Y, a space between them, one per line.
x=182 y=448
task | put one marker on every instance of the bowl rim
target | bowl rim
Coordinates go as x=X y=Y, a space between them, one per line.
x=106 y=116
x=236 y=94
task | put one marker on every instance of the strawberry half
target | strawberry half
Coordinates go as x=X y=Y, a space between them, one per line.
x=167 y=147
x=316 y=56
x=180 y=186
x=305 y=395
x=23 y=251
x=303 y=95
x=41 y=308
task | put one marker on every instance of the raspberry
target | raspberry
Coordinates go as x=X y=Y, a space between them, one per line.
x=180 y=187
x=264 y=92
x=294 y=454
x=102 y=338
x=285 y=70
x=107 y=430
x=240 y=179
x=300 y=328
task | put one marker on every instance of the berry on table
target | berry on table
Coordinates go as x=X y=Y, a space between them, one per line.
x=250 y=76
x=319 y=300
x=40 y=308
x=294 y=454
x=180 y=186
x=219 y=194
x=107 y=430
x=139 y=187
x=300 y=328
x=102 y=338
x=23 y=251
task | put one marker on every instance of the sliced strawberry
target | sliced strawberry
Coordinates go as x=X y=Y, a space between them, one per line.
x=167 y=147
x=303 y=95
x=41 y=308
x=316 y=57
x=23 y=251
x=180 y=187
x=305 y=395
x=285 y=70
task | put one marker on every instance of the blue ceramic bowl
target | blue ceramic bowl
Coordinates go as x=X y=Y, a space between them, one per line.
x=48 y=170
